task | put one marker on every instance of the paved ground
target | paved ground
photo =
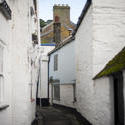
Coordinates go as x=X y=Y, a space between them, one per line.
x=55 y=116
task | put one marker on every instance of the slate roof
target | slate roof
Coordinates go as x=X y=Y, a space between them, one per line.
x=61 y=44
x=115 y=65
x=47 y=35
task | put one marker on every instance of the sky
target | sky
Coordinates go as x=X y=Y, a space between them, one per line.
x=46 y=8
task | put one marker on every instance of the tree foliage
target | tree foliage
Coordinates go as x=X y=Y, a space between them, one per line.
x=42 y=23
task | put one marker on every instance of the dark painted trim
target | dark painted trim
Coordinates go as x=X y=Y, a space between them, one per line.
x=118 y=98
x=34 y=122
x=43 y=101
x=84 y=11
x=3 y=107
x=79 y=117
x=5 y=9
x=48 y=76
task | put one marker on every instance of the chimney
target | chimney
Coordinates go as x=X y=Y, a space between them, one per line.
x=57 y=32
x=63 y=12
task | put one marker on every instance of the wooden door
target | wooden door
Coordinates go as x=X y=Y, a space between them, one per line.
x=118 y=99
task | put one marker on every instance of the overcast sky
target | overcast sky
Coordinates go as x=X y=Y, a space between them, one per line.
x=46 y=8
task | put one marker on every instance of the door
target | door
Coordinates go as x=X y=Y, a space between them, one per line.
x=118 y=99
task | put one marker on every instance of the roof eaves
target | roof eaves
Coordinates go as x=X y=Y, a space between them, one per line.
x=61 y=45
x=44 y=34
x=115 y=65
x=84 y=11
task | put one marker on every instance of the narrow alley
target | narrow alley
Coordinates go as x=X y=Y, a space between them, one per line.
x=62 y=62
x=54 y=115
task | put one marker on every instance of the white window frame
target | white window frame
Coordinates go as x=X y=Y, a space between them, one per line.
x=2 y=76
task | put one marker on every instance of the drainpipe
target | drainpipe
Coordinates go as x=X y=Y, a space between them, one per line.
x=40 y=83
x=48 y=75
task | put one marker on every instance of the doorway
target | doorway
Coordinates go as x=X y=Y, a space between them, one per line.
x=118 y=99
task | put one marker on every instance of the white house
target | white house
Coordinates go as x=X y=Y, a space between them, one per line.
x=43 y=97
x=62 y=73
x=99 y=36
x=19 y=34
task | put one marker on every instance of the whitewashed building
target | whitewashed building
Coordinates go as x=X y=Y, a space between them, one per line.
x=19 y=31
x=62 y=73
x=43 y=97
x=99 y=36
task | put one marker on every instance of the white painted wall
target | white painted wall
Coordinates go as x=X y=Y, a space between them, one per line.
x=43 y=81
x=104 y=101
x=108 y=31
x=84 y=68
x=66 y=96
x=66 y=64
x=108 y=40
x=15 y=34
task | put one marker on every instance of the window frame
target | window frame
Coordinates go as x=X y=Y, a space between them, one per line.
x=35 y=4
x=56 y=62
x=56 y=96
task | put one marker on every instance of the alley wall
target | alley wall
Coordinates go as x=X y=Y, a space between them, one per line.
x=20 y=77
x=84 y=68
x=108 y=31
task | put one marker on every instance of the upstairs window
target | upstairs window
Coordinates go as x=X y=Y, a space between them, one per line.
x=56 y=62
x=35 y=4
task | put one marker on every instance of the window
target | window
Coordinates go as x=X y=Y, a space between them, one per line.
x=1 y=74
x=35 y=4
x=55 y=62
x=57 y=92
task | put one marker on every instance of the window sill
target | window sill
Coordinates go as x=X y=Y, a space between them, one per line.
x=2 y=107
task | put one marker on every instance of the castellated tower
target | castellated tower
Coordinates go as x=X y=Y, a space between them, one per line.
x=62 y=12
